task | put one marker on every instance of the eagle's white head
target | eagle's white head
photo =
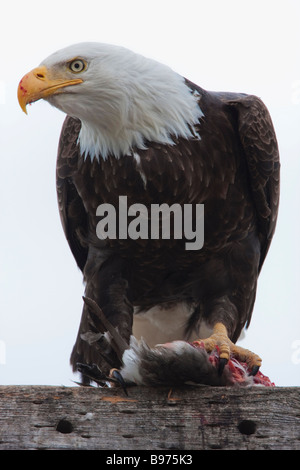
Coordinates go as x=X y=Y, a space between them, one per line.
x=122 y=99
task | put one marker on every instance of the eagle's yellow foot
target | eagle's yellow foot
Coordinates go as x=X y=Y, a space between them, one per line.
x=220 y=339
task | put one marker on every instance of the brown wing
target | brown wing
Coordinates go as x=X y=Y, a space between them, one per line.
x=258 y=140
x=72 y=212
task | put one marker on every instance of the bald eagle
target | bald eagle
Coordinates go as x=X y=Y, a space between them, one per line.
x=137 y=130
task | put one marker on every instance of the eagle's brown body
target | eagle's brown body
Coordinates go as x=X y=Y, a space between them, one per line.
x=233 y=169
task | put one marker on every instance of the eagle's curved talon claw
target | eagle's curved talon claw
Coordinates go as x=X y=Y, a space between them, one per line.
x=222 y=363
x=254 y=370
x=115 y=374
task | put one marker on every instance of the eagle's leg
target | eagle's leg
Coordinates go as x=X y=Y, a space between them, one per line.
x=220 y=339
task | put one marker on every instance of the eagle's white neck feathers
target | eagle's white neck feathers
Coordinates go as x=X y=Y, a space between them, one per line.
x=125 y=100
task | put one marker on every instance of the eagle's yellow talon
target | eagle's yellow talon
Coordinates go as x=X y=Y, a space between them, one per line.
x=227 y=348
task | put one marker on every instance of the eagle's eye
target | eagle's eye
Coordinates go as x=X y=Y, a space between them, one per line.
x=77 y=65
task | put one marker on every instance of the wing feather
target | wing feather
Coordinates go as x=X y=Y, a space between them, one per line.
x=71 y=209
x=258 y=140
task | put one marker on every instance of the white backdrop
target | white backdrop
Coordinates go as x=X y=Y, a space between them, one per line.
x=243 y=46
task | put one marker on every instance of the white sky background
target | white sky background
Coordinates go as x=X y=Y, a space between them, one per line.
x=233 y=45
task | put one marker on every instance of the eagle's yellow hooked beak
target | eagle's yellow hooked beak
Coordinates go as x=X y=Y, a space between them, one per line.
x=38 y=84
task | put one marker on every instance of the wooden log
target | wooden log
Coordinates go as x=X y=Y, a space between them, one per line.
x=156 y=419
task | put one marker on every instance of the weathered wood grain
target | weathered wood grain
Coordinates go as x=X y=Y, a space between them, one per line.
x=190 y=418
